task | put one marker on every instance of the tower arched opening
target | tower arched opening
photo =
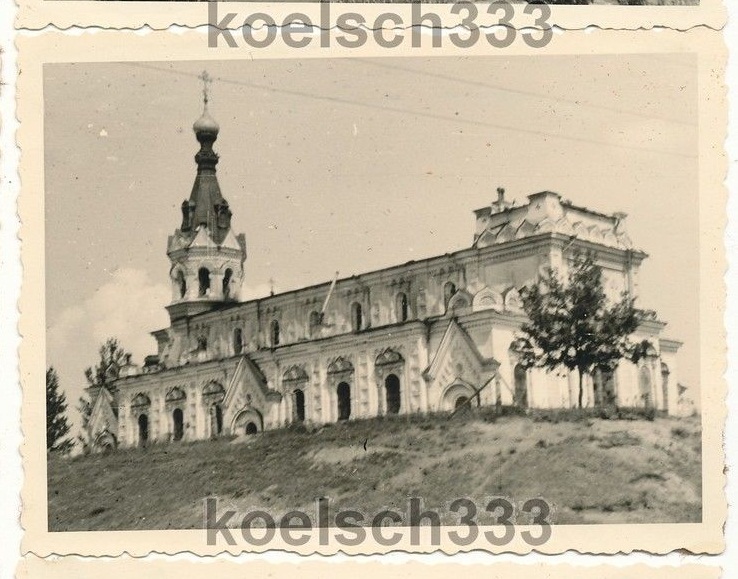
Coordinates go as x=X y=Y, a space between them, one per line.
x=203 y=277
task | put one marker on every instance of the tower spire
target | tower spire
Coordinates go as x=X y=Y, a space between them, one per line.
x=206 y=206
x=206 y=256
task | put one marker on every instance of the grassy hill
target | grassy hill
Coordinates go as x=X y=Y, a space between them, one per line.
x=591 y=470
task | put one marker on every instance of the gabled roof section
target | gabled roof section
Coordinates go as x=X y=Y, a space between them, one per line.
x=104 y=413
x=456 y=336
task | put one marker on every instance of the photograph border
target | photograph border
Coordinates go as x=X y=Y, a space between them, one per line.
x=705 y=537
x=63 y=14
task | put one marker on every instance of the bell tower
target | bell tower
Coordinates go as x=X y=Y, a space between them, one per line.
x=206 y=256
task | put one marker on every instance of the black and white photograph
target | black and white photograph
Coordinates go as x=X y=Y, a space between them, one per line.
x=366 y=281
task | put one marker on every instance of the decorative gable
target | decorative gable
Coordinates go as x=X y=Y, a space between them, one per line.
x=458 y=359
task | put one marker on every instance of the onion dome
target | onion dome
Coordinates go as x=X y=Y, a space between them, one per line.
x=206 y=123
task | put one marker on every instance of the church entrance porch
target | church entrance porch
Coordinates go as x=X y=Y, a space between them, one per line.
x=247 y=422
x=457 y=395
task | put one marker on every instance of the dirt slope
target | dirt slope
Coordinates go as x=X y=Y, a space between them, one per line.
x=590 y=470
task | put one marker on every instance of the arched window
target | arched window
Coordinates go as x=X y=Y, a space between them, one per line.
x=202 y=343
x=143 y=429
x=181 y=283
x=178 y=419
x=520 y=395
x=449 y=289
x=251 y=428
x=238 y=340
x=392 y=391
x=227 y=276
x=344 y=401
x=299 y=397
x=356 y=317
x=401 y=307
x=274 y=333
x=203 y=277
x=313 y=322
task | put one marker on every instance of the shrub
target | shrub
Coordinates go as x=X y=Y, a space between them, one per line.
x=679 y=432
x=637 y=413
x=557 y=415
x=619 y=438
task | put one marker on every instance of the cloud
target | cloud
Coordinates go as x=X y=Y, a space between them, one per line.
x=128 y=306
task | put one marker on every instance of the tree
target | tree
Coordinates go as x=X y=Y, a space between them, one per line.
x=572 y=325
x=102 y=375
x=57 y=426
x=106 y=371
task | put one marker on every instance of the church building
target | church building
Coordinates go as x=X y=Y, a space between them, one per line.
x=424 y=336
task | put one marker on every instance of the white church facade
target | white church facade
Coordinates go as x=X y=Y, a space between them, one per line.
x=420 y=337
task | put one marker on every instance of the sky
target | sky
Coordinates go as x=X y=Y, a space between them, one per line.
x=353 y=165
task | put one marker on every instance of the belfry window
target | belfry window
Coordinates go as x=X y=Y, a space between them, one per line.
x=356 y=317
x=274 y=333
x=181 y=283
x=203 y=276
x=227 y=276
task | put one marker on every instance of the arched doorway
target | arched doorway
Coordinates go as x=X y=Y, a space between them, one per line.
x=178 y=420
x=456 y=394
x=461 y=401
x=392 y=392
x=143 y=429
x=299 y=405
x=520 y=395
x=344 y=401
x=106 y=442
x=644 y=385
x=247 y=421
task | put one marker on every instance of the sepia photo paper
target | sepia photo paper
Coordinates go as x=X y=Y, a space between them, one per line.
x=368 y=300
